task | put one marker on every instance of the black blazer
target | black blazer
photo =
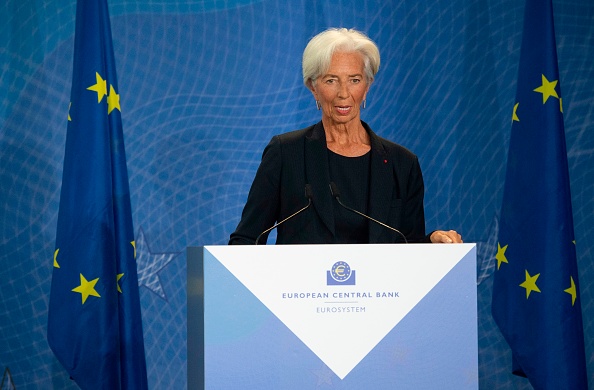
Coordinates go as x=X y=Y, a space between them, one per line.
x=294 y=159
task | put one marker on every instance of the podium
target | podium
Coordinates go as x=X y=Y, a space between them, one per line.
x=376 y=316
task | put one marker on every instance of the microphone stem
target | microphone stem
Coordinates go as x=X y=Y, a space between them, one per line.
x=372 y=219
x=286 y=219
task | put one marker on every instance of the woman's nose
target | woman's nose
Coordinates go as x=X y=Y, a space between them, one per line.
x=343 y=91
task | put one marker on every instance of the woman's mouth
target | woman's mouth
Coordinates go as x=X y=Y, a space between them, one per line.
x=343 y=110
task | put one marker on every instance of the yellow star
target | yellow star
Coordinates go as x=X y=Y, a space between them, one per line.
x=500 y=256
x=515 y=113
x=100 y=87
x=56 y=265
x=561 y=105
x=69 y=118
x=547 y=89
x=113 y=100
x=117 y=282
x=572 y=291
x=530 y=284
x=86 y=288
x=134 y=245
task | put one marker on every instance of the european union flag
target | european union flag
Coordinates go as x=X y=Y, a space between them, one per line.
x=95 y=324
x=536 y=299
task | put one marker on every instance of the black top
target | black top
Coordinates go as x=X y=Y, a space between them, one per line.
x=351 y=176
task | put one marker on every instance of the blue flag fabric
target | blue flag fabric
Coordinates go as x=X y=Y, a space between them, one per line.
x=536 y=301
x=94 y=320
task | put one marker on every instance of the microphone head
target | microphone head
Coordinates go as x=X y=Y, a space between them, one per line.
x=308 y=193
x=334 y=190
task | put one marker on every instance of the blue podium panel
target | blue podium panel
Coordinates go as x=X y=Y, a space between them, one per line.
x=332 y=316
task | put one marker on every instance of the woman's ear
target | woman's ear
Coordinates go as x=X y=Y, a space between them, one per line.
x=310 y=86
x=367 y=90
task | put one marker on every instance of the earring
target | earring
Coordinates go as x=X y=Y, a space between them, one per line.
x=364 y=103
x=318 y=106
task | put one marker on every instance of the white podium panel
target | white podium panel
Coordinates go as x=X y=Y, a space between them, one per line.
x=332 y=316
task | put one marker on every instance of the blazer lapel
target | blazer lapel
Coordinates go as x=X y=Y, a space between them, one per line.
x=317 y=174
x=381 y=186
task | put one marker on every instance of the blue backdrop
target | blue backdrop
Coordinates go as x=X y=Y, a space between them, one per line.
x=205 y=84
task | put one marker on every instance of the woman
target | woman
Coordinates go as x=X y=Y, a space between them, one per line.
x=372 y=175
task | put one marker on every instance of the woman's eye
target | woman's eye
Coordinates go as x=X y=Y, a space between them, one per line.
x=356 y=81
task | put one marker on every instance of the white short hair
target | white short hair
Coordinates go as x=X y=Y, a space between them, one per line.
x=320 y=49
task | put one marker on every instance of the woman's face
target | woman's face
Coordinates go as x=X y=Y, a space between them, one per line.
x=342 y=89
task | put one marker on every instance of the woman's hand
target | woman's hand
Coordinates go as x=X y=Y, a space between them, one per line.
x=449 y=237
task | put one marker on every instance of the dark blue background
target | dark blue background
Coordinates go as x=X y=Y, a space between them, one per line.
x=205 y=84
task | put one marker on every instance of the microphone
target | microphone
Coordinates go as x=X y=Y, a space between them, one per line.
x=336 y=194
x=308 y=195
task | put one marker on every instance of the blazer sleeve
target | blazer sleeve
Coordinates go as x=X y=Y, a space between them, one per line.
x=414 y=210
x=262 y=207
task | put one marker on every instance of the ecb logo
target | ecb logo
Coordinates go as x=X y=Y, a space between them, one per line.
x=340 y=274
